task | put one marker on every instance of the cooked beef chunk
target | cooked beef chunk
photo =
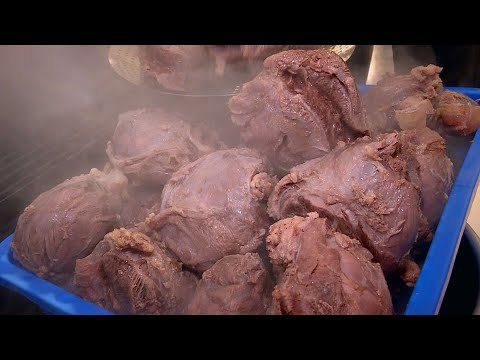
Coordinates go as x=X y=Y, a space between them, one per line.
x=149 y=145
x=225 y=54
x=237 y=52
x=176 y=67
x=356 y=188
x=322 y=272
x=128 y=273
x=403 y=102
x=138 y=203
x=410 y=271
x=299 y=107
x=429 y=168
x=215 y=207
x=186 y=68
x=234 y=285
x=66 y=222
x=456 y=114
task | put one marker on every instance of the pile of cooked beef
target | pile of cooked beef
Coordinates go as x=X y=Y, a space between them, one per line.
x=192 y=68
x=323 y=203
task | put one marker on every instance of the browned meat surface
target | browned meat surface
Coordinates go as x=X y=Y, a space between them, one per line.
x=138 y=203
x=66 y=222
x=299 y=107
x=356 y=188
x=149 y=145
x=429 y=168
x=456 y=114
x=128 y=273
x=324 y=272
x=403 y=102
x=235 y=285
x=215 y=207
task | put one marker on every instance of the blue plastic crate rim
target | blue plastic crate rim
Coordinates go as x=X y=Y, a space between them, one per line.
x=427 y=295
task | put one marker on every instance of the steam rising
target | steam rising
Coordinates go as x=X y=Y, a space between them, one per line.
x=59 y=107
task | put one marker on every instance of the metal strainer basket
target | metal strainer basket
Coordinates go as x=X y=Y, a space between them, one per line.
x=125 y=61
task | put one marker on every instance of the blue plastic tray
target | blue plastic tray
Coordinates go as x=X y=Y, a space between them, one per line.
x=51 y=298
x=426 y=297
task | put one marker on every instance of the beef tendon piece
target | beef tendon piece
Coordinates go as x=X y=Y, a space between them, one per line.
x=149 y=145
x=403 y=102
x=429 y=168
x=356 y=188
x=234 y=285
x=299 y=107
x=456 y=114
x=323 y=272
x=215 y=206
x=66 y=222
x=128 y=273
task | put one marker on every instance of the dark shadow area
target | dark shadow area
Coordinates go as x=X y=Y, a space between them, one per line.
x=13 y=304
x=462 y=293
x=461 y=63
x=359 y=62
